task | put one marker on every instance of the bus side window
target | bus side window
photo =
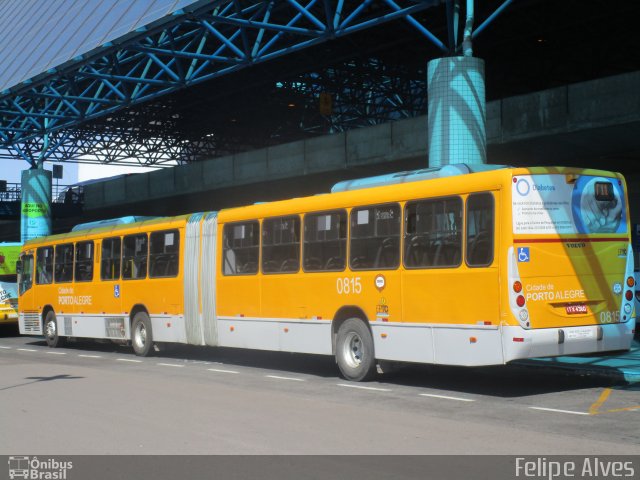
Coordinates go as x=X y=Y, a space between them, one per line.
x=63 y=264
x=84 y=262
x=433 y=233
x=479 y=237
x=241 y=242
x=134 y=257
x=44 y=266
x=110 y=259
x=281 y=245
x=325 y=241
x=375 y=237
x=164 y=248
x=25 y=279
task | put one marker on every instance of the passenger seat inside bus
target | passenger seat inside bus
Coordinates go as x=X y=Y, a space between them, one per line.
x=417 y=254
x=387 y=255
x=480 y=249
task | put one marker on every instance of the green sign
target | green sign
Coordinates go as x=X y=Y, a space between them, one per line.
x=8 y=257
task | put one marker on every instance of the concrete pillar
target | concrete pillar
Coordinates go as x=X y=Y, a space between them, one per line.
x=35 y=217
x=457 y=111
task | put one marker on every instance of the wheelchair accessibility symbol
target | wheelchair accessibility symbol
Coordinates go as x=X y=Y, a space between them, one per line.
x=523 y=254
x=116 y=291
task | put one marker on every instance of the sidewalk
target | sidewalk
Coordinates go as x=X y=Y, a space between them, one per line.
x=621 y=366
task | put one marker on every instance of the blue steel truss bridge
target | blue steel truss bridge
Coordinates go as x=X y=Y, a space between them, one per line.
x=168 y=82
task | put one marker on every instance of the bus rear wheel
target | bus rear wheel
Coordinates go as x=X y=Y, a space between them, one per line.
x=141 y=335
x=54 y=340
x=354 y=351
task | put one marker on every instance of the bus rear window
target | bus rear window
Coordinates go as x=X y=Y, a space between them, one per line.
x=565 y=204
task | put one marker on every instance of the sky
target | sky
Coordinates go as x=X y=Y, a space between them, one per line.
x=71 y=172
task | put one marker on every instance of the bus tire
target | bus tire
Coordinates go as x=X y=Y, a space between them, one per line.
x=141 y=335
x=354 y=351
x=54 y=340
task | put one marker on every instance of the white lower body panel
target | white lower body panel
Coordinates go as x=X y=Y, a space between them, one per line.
x=286 y=335
x=553 y=342
x=471 y=345
x=165 y=328
x=438 y=344
x=168 y=328
x=468 y=345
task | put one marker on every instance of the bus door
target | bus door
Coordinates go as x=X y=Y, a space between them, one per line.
x=451 y=274
x=238 y=291
x=284 y=293
x=30 y=318
x=106 y=283
x=374 y=259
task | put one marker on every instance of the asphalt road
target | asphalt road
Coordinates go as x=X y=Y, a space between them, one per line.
x=90 y=398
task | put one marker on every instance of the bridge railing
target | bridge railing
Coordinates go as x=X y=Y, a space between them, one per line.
x=13 y=193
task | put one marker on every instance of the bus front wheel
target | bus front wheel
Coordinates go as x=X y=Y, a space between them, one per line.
x=354 y=351
x=51 y=333
x=141 y=336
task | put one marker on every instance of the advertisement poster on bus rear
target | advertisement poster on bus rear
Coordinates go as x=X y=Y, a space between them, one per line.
x=551 y=204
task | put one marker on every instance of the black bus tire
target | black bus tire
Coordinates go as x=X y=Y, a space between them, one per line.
x=141 y=335
x=354 y=351
x=51 y=332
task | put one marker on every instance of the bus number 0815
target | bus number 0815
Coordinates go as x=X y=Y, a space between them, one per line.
x=346 y=285
x=610 y=317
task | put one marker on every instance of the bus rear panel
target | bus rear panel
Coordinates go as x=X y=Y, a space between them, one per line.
x=570 y=278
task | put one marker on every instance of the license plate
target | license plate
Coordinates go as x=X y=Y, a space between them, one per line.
x=576 y=309
x=579 y=333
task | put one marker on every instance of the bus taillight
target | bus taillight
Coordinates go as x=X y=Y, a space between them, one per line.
x=517 y=287
x=520 y=301
x=628 y=295
x=630 y=282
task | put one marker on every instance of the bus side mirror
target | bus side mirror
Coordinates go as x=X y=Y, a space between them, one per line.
x=19 y=267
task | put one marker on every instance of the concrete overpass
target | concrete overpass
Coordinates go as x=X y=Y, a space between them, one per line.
x=594 y=123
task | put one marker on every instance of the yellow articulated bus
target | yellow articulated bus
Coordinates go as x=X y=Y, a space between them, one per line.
x=9 y=253
x=457 y=265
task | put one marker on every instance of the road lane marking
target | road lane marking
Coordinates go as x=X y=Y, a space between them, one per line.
x=90 y=356
x=285 y=378
x=363 y=387
x=132 y=360
x=170 y=365
x=219 y=370
x=593 y=410
x=559 y=411
x=445 y=397
x=56 y=353
x=624 y=409
x=6 y=348
x=27 y=350
x=604 y=396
